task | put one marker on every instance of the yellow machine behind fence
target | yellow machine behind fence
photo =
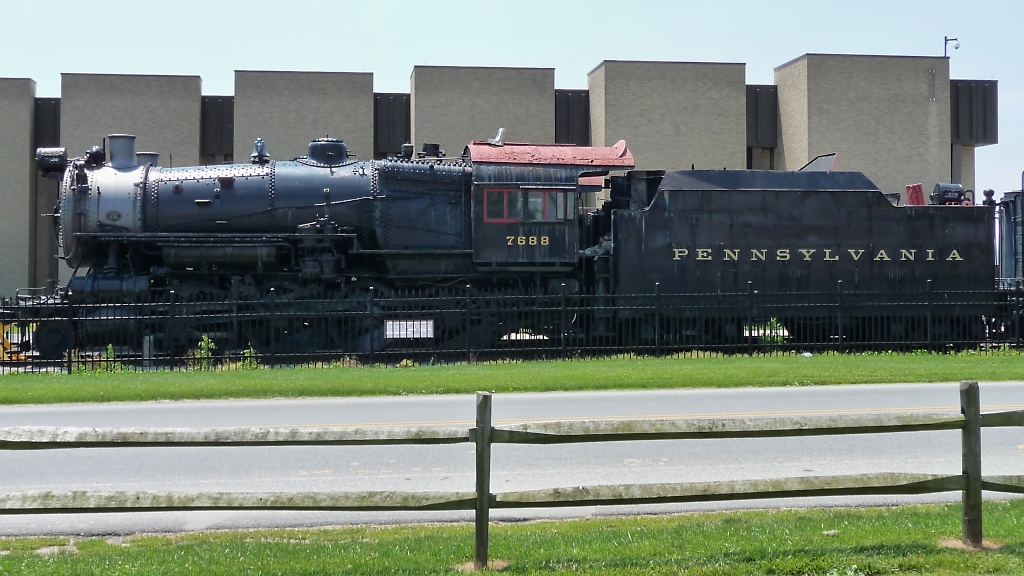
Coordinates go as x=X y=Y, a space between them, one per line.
x=10 y=351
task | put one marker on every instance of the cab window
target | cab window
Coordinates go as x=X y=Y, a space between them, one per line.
x=533 y=205
x=503 y=205
x=550 y=205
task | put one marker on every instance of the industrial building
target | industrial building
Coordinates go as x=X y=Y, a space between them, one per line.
x=898 y=119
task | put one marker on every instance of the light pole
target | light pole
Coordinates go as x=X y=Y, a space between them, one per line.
x=945 y=45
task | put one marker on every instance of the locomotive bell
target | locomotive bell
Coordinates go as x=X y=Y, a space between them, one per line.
x=259 y=152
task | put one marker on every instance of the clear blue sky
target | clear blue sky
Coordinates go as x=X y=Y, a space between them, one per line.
x=212 y=39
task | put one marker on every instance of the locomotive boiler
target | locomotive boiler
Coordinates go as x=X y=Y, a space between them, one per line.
x=321 y=252
x=142 y=229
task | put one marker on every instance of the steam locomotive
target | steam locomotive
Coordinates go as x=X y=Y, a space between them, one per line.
x=330 y=237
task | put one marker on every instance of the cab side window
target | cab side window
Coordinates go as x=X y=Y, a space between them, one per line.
x=533 y=205
x=503 y=205
x=551 y=205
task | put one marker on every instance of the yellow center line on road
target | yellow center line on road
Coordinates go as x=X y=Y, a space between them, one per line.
x=707 y=416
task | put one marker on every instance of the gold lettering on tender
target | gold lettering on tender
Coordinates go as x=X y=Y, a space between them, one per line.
x=786 y=254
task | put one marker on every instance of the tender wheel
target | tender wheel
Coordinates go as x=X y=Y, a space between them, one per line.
x=725 y=332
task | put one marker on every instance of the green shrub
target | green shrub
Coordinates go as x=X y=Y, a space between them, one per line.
x=202 y=357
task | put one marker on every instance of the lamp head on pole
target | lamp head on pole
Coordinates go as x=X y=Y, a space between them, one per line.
x=945 y=45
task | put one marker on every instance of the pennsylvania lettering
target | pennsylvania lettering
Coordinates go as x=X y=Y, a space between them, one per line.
x=814 y=254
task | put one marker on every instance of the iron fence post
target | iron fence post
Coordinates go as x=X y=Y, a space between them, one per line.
x=657 y=318
x=928 y=313
x=271 y=341
x=168 y=326
x=1018 y=320
x=563 y=323
x=970 y=440
x=148 y=351
x=373 y=324
x=483 y=478
x=839 y=313
x=466 y=322
x=750 y=318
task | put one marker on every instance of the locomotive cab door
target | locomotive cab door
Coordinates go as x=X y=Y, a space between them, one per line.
x=525 y=226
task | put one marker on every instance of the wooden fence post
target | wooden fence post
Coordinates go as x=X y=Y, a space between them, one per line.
x=970 y=439
x=483 y=477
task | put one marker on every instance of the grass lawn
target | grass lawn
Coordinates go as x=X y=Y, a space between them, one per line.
x=828 y=542
x=597 y=374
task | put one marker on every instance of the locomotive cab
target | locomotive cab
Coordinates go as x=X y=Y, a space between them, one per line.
x=525 y=225
x=525 y=200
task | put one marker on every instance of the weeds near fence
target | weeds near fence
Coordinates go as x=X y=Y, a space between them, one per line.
x=202 y=356
x=248 y=360
x=110 y=363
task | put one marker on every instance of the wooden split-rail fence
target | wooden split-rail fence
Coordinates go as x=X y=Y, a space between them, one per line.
x=970 y=482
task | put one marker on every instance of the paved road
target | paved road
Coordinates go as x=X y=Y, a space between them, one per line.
x=514 y=467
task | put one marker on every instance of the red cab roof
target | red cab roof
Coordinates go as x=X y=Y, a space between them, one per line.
x=617 y=156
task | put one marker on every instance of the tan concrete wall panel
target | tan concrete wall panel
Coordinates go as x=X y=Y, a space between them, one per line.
x=886 y=116
x=595 y=84
x=454 y=105
x=791 y=80
x=162 y=112
x=288 y=109
x=17 y=219
x=673 y=114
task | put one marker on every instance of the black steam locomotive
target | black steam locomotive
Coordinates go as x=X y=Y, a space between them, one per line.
x=341 y=240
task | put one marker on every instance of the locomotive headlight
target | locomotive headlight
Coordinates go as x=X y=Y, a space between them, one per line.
x=51 y=162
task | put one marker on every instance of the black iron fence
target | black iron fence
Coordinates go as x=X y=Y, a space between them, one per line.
x=291 y=326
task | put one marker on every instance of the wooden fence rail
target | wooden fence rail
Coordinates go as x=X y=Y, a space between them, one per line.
x=970 y=482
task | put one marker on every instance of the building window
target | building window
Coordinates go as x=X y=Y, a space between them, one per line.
x=534 y=205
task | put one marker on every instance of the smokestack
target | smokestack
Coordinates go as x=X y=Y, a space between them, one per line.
x=121 y=150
